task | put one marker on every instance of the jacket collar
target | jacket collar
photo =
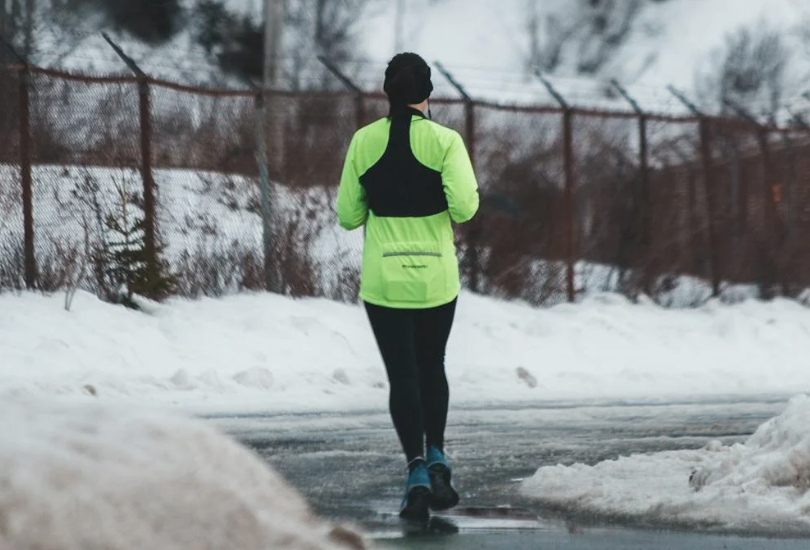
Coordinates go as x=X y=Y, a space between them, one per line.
x=407 y=111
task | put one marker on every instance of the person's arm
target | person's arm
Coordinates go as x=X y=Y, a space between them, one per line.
x=458 y=179
x=351 y=202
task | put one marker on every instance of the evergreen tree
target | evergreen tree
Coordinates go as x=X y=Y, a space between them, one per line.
x=126 y=266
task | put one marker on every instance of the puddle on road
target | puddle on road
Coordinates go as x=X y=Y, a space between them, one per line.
x=598 y=540
x=516 y=529
x=462 y=520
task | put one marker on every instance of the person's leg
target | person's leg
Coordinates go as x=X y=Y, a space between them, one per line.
x=433 y=328
x=394 y=332
x=432 y=332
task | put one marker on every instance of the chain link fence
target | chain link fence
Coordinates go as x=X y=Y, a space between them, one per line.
x=167 y=179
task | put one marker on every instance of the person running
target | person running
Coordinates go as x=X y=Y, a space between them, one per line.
x=406 y=179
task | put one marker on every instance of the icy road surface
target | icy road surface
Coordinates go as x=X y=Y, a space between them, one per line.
x=348 y=466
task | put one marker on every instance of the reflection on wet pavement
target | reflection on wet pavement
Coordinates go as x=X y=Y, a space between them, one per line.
x=349 y=467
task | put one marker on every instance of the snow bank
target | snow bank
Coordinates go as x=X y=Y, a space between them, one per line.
x=758 y=486
x=98 y=476
x=274 y=354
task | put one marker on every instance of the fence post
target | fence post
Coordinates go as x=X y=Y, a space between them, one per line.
x=360 y=100
x=360 y=109
x=691 y=218
x=569 y=201
x=469 y=109
x=271 y=276
x=24 y=76
x=26 y=181
x=776 y=225
x=150 y=240
x=264 y=189
x=709 y=189
x=710 y=192
x=645 y=240
x=150 y=248
x=473 y=259
x=773 y=223
x=791 y=189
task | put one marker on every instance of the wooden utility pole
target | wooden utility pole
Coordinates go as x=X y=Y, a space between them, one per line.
x=28 y=28
x=273 y=28
x=3 y=52
x=399 y=27
x=13 y=18
x=270 y=145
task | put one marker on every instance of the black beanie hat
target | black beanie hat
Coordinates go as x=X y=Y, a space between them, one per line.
x=407 y=80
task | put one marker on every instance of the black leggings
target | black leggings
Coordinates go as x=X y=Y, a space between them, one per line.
x=412 y=343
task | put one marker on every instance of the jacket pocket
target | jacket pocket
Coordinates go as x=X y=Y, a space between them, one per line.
x=413 y=272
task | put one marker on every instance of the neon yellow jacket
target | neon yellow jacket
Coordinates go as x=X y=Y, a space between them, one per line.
x=406 y=178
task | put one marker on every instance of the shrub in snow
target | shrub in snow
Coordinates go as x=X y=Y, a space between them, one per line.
x=113 y=246
x=12 y=266
x=96 y=476
x=126 y=259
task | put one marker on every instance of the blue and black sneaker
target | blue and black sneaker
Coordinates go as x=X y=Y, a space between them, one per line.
x=415 y=505
x=444 y=496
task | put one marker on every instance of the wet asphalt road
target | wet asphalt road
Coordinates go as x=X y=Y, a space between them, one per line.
x=349 y=467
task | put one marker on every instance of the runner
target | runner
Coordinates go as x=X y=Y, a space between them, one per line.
x=406 y=179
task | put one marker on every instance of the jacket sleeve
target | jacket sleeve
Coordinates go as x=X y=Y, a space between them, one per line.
x=352 y=208
x=458 y=179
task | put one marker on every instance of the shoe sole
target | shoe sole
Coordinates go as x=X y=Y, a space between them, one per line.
x=443 y=495
x=416 y=509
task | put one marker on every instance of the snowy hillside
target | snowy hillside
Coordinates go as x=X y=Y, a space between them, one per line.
x=77 y=45
x=647 y=44
x=665 y=43
x=670 y=42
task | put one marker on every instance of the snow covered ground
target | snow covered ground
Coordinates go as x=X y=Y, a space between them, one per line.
x=205 y=215
x=760 y=485
x=77 y=477
x=269 y=353
x=201 y=214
